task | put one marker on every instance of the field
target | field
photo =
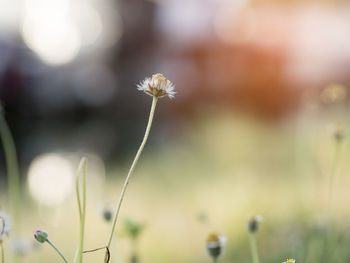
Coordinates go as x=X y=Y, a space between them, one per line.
x=214 y=175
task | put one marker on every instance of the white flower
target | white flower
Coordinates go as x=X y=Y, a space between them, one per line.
x=215 y=244
x=5 y=225
x=215 y=240
x=157 y=86
x=289 y=261
x=259 y=218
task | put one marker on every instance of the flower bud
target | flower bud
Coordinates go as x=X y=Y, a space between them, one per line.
x=253 y=223
x=105 y=209
x=107 y=215
x=215 y=244
x=41 y=236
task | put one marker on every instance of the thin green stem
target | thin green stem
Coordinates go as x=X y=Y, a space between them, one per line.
x=331 y=177
x=151 y=115
x=134 y=254
x=57 y=250
x=77 y=192
x=329 y=200
x=253 y=248
x=305 y=249
x=82 y=208
x=11 y=165
x=2 y=252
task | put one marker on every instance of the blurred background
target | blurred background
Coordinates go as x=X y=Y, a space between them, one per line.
x=259 y=84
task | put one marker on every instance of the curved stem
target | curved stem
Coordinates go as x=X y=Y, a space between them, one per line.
x=329 y=200
x=253 y=248
x=331 y=177
x=82 y=209
x=77 y=192
x=154 y=103
x=57 y=250
x=2 y=252
x=11 y=165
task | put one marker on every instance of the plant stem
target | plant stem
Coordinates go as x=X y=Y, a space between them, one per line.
x=57 y=250
x=2 y=252
x=215 y=259
x=329 y=199
x=11 y=165
x=93 y=250
x=331 y=177
x=253 y=248
x=154 y=103
x=82 y=209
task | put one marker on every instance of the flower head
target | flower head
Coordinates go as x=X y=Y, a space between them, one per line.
x=106 y=210
x=41 y=236
x=215 y=244
x=157 y=86
x=289 y=261
x=253 y=223
x=5 y=225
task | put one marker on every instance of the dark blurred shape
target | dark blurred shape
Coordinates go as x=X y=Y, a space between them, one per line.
x=256 y=57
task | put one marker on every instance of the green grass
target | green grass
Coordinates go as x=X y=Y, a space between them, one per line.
x=231 y=167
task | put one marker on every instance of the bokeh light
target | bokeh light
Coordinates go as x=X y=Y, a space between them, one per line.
x=57 y=30
x=334 y=92
x=258 y=85
x=9 y=15
x=112 y=27
x=234 y=22
x=49 y=32
x=50 y=179
x=88 y=22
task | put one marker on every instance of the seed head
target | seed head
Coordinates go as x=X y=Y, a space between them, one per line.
x=107 y=215
x=106 y=210
x=157 y=86
x=5 y=225
x=253 y=223
x=215 y=244
x=41 y=236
